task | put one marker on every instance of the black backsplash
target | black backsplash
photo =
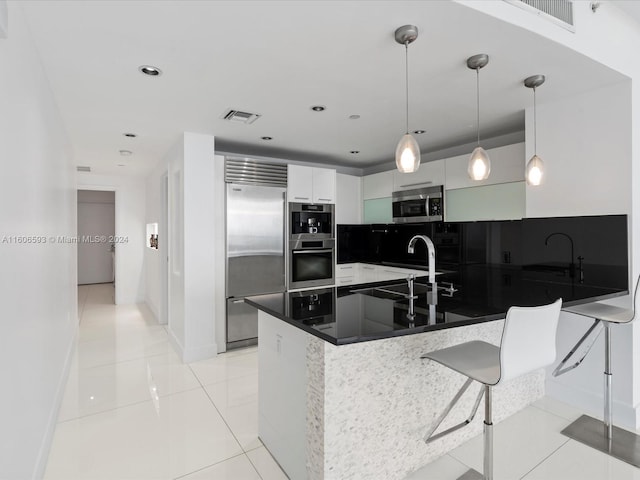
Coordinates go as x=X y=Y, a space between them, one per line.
x=539 y=246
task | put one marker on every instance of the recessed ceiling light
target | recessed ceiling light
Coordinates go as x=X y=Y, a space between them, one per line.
x=266 y=138
x=354 y=117
x=354 y=152
x=418 y=132
x=150 y=70
x=318 y=108
x=125 y=153
x=130 y=135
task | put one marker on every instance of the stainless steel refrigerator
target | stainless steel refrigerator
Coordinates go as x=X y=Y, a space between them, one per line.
x=255 y=254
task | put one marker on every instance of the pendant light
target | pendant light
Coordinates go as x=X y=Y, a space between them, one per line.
x=479 y=162
x=407 y=151
x=535 y=166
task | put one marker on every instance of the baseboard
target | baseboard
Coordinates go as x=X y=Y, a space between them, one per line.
x=176 y=344
x=152 y=308
x=45 y=447
x=592 y=403
x=199 y=353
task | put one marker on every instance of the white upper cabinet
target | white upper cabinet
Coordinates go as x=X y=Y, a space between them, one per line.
x=311 y=184
x=324 y=185
x=377 y=185
x=429 y=174
x=507 y=165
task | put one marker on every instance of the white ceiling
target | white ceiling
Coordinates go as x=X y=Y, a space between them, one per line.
x=280 y=58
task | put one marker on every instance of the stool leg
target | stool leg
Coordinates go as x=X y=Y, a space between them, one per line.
x=488 y=435
x=608 y=406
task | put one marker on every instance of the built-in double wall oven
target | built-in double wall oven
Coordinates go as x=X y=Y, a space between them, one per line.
x=311 y=245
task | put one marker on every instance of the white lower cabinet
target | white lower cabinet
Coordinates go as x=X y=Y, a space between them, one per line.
x=282 y=383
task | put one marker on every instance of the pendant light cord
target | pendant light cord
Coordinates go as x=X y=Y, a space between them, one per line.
x=406 y=76
x=478 y=102
x=535 y=124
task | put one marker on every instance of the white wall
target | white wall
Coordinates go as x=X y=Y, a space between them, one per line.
x=348 y=199
x=155 y=260
x=196 y=258
x=612 y=38
x=37 y=281
x=585 y=142
x=130 y=226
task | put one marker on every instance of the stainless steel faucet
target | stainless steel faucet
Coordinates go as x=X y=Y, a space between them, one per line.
x=431 y=254
x=572 y=266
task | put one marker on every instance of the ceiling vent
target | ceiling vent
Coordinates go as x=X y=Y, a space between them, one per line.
x=239 y=116
x=559 y=12
x=83 y=169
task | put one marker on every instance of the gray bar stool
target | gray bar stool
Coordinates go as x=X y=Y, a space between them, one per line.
x=528 y=343
x=602 y=435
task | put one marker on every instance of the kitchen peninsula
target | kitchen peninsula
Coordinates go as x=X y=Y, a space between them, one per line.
x=343 y=391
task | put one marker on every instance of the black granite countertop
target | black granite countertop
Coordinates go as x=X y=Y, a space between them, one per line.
x=480 y=293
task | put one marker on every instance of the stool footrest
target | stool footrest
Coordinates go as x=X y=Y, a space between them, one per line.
x=623 y=444
x=430 y=437
x=561 y=369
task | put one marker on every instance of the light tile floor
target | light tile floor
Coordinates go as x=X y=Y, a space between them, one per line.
x=133 y=411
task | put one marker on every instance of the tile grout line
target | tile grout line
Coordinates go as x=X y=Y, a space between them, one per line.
x=211 y=465
x=544 y=459
x=217 y=410
x=244 y=452
x=82 y=417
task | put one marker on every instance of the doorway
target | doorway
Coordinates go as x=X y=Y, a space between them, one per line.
x=96 y=232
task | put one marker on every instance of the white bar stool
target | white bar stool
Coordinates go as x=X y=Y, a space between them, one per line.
x=602 y=435
x=528 y=343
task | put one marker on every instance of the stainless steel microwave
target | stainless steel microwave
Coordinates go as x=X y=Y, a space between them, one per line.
x=418 y=205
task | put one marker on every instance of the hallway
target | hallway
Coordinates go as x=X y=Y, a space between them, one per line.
x=133 y=410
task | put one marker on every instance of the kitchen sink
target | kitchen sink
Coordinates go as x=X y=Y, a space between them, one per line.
x=400 y=291
x=396 y=291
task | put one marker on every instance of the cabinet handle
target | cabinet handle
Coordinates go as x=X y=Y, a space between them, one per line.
x=238 y=301
x=325 y=199
x=345 y=268
x=301 y=198
x=416 y=184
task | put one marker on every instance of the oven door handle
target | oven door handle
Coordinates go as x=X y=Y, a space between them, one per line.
x=312 y=250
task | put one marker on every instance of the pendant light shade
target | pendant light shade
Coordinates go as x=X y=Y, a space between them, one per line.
x=534 y=171
x=479 y=161
x=479 y=164
x=535 y=166
x=408 y=150
x=407 y=154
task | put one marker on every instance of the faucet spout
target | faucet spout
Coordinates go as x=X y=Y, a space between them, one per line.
x=431 y=254
x=572 y=265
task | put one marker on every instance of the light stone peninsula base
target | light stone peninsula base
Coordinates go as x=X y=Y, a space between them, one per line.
x=360 y=411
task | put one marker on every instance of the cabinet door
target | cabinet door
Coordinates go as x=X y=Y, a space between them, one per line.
x=377 y=185
x=324 y=185
x=429 y=174
x=299 y=183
